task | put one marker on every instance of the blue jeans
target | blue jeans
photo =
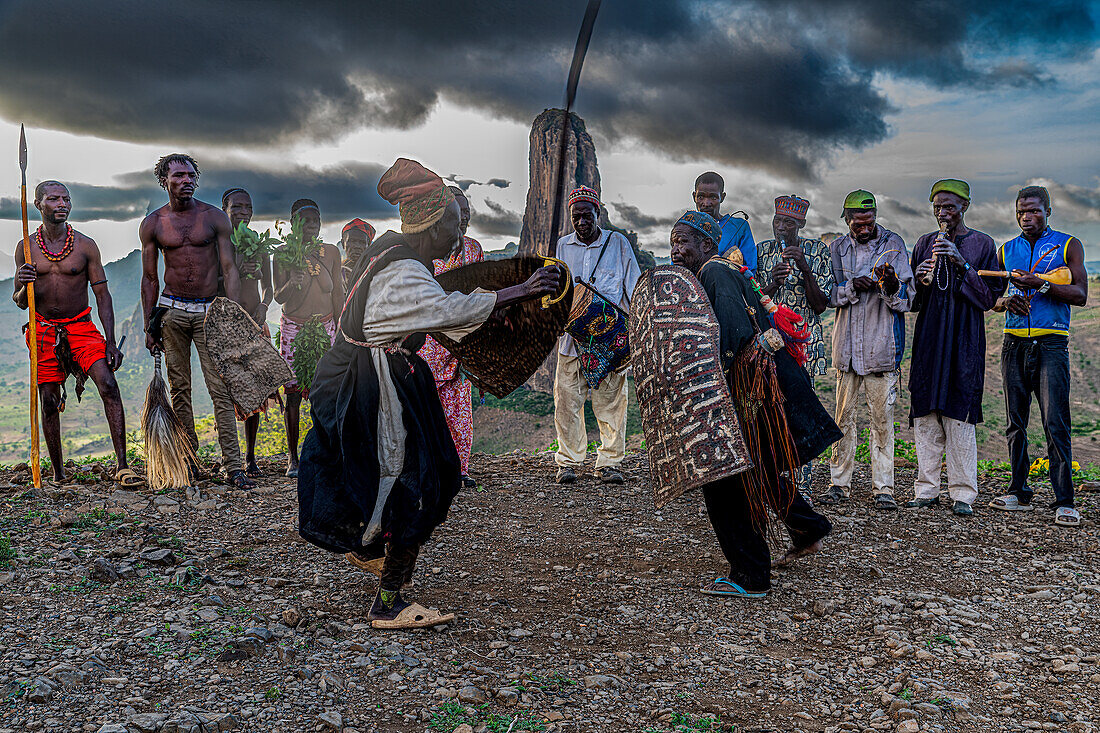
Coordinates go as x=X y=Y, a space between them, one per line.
x=1039 y=366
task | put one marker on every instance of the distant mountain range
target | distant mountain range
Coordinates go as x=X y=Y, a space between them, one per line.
x=84 y=431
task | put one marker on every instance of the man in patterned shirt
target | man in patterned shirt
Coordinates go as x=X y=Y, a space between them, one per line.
x=800 y=276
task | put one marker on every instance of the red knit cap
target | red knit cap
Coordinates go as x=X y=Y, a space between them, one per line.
x=584 y=193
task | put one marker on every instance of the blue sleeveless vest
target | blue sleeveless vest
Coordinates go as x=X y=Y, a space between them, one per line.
x=1048 y=316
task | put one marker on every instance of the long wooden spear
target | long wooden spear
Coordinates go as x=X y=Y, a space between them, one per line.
x=32 y=329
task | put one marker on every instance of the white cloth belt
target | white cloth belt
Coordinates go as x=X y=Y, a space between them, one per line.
x=189 y=306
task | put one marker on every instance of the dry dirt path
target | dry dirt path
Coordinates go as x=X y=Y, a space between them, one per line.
x=578 y=610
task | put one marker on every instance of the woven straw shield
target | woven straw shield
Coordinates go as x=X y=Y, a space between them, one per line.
x=692 y=432
x=245 y=359
x=503 y=354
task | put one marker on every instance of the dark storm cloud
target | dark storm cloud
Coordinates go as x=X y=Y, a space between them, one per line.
x=902 y=208
x=779 y=84
x=343 y=192
x=634 y=219
x=91 y=203
x=465 y=183
x=499 y=221
x=1073 y=203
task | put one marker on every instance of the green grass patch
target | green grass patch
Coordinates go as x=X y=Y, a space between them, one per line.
x=686 y=723
x=7 y=552
x=99 y=515
x=450 y=715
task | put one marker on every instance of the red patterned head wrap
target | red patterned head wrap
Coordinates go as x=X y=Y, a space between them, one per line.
x=361 y=226
x=421 y=195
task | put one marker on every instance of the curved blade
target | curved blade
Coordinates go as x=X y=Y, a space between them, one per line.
x=579 y=52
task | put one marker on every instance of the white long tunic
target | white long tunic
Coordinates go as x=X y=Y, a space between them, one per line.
x=404 y=299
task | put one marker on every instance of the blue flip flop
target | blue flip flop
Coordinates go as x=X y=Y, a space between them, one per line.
x=730 y=589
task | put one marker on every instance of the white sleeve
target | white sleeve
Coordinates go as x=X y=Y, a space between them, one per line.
x=405 y=299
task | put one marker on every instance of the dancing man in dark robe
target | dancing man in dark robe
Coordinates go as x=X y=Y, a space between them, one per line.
x=783 y=422
x=379 y=470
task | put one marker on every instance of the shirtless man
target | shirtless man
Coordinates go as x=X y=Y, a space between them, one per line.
x=315 y=291
x=63 y=263
x=194 y=238
x=255 y=276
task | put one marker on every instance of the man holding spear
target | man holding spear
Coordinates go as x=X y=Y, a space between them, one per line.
x=62 y=264
x=32 y=341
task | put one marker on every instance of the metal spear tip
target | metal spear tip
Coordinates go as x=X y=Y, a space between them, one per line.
x=22 y=148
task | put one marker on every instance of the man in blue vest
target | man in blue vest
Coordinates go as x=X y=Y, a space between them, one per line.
x=709 y=193
x=1035 y=356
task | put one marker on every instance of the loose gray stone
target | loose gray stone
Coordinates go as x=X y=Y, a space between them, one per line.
x=332 y=719
x=159 y=557
x=102 y=571
x=471 y=694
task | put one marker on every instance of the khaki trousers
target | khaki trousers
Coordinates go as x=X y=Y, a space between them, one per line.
x=179 y=330
x=608 y=405
x=935 y=435
x=882 y=393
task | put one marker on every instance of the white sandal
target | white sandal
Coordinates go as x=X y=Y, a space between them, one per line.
x=1067 y=516
x=1010 y=503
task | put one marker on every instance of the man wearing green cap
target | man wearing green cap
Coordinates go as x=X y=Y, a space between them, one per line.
x=873 y=290
x=947 y=376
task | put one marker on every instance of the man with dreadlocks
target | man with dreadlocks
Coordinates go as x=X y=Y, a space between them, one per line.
x=783 y=422
x=312 y=292
x=379 y=469
x=63 y=264
x=195 y=240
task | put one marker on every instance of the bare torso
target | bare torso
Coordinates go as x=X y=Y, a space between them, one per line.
x=250 y=286
x=188 y=241
x=317 y=297
x=61 y=290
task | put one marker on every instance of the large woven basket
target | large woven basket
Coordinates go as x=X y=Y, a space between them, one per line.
x=247 y=362
x=502 y=355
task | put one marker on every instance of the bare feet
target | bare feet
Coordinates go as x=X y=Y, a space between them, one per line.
x=796 y=552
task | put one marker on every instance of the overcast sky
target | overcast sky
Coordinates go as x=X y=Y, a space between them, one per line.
x=292 y=99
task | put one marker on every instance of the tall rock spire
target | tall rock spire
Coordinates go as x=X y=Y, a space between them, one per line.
x=580 y=170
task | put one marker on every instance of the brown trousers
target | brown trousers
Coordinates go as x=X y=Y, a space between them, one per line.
x=179 y=330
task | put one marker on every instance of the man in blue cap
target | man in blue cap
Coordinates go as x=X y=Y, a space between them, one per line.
x=781 y=435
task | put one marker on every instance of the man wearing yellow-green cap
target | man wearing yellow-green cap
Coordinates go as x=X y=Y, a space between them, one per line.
x=947 y=376
x=873 y=290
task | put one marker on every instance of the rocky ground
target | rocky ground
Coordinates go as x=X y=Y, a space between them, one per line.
x=578 y=610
